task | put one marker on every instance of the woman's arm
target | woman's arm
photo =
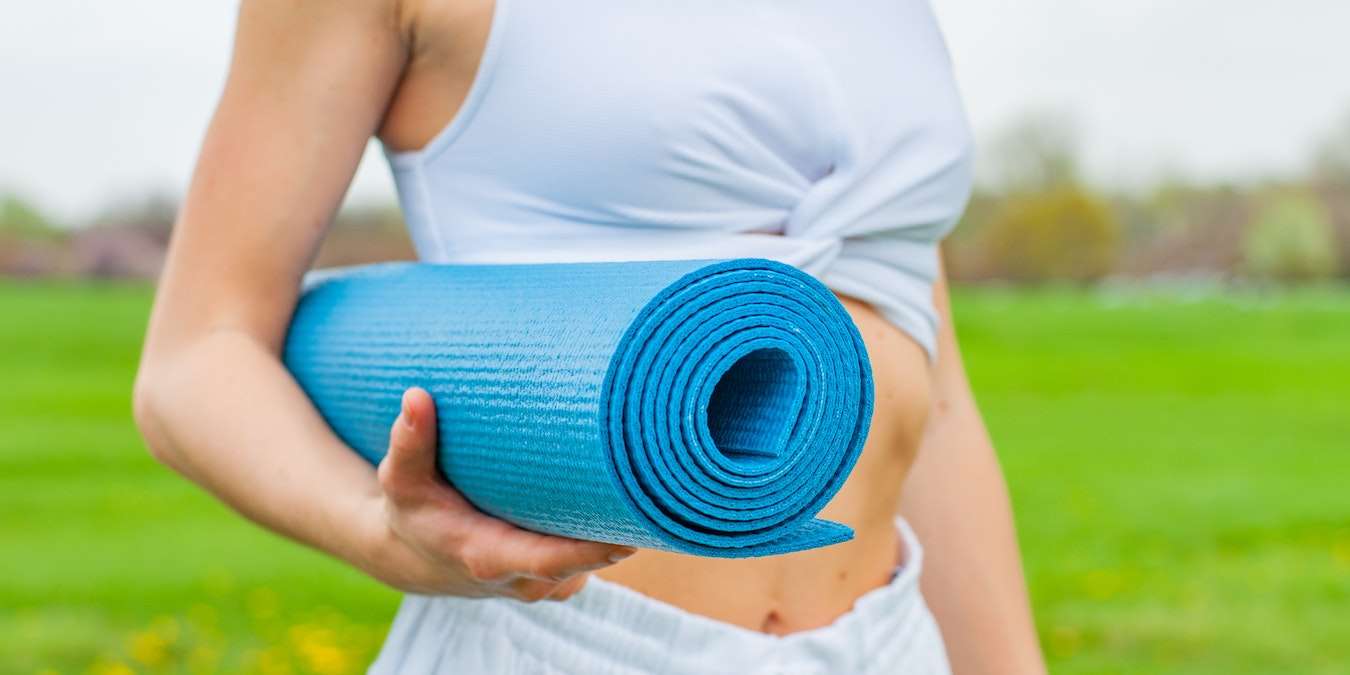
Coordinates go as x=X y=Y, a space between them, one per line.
x=308 y=86
x=956 y=500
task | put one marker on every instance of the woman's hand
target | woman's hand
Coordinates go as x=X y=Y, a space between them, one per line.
x=431 y=540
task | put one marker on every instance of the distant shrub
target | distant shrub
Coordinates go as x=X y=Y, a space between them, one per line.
x=151 y=214
x=1063 y=233
x=20 y=219
x=1331 y=164
x=1291 y=239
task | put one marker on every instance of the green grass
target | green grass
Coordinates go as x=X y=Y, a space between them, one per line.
x=1180 y=471
x=1179 y=467
x=108 y=560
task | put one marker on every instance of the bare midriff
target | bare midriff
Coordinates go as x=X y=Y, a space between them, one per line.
x=780 y=594
x=796 y=592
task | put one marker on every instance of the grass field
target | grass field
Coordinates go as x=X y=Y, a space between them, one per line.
x=1180 y=467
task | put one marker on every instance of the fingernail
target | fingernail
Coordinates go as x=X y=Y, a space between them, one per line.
x=621 y=554
x=406 y=410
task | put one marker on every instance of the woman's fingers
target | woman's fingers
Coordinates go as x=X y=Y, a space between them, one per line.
x=493 y=554
x=569 y=588
x=531 y=590
x=534 y=590
x=411 y=460
x=511 y=551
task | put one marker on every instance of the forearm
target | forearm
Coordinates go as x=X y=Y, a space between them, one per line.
x=957 y=501
x=224 y=412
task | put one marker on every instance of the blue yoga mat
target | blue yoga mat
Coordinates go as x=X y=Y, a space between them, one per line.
x=703 y=407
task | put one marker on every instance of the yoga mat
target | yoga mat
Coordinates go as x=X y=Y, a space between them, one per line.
x=702 y=407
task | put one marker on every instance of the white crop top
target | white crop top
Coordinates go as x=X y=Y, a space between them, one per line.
x=827 y=135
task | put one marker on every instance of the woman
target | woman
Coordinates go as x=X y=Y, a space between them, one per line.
x=828 y=135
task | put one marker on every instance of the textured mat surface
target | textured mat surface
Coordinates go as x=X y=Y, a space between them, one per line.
x=710 y=408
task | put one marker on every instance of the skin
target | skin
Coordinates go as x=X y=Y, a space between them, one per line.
x=273 y=168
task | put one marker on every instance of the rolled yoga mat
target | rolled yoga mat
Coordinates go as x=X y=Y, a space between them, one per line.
x=702 y=407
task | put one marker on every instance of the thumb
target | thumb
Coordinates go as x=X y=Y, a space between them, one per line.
x=412 y=440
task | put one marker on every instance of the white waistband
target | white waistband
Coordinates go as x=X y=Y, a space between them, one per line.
x=608 y=628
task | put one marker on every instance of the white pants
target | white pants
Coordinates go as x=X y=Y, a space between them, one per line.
x=607 y=629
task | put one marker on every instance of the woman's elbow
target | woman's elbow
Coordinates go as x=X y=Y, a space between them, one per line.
x=147 y=407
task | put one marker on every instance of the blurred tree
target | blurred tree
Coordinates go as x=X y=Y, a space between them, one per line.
x=1291 y=240
x=1063 y=233
x=1331 y=180
x=1046 y=223
x=1036 y=152
x=20 y=219
x=1196 y=232
x=365 y=233
x=151 y=215
x=1331 y=165
x=371 y=217
x=30 y=243
x=963 y=250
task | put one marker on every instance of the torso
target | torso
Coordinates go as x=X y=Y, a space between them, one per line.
x=779 y=594
x=806 y=590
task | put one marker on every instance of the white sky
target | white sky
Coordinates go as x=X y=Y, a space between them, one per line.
x=99 y=100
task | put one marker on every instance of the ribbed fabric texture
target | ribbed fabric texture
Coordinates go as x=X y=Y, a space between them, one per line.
x=710 y=408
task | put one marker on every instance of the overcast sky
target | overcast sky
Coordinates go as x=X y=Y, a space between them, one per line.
x=99 y=100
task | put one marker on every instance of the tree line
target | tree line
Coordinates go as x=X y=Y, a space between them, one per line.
x=1035 y=219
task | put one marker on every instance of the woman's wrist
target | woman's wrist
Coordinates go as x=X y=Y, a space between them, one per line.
x=368 y=539
x=373 y=547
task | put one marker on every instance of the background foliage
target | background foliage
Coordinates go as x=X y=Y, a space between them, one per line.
x=1034 y=218
x=1291 y=240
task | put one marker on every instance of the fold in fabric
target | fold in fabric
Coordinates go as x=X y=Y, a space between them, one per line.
x=703 y=407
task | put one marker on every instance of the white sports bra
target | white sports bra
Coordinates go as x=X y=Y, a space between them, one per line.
x=827 y=135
